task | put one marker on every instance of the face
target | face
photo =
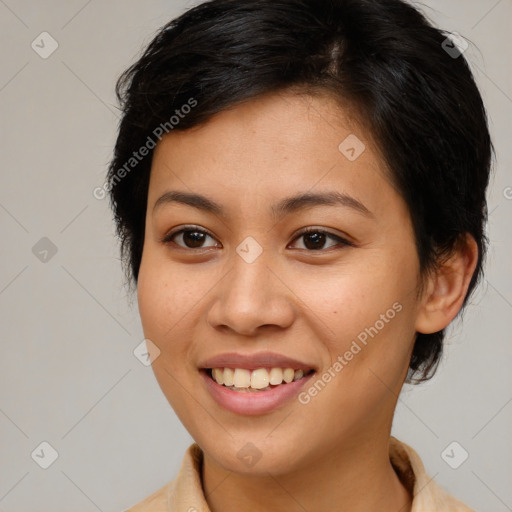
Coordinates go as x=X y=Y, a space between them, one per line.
x=229 y=280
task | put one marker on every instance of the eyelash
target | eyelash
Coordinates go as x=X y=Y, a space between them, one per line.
x=341 y=241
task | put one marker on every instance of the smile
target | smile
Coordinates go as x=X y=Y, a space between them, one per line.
x=260 y=379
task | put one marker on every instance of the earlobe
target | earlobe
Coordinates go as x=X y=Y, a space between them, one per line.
x=447 y=287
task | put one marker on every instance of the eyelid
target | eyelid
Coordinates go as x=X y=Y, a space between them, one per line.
x=189 y=227
x=312 y=229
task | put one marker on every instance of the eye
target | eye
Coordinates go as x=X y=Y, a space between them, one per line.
x=190 y=237
x=315 y=239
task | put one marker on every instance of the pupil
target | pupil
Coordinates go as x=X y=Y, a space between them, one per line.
x=317 y=239
x=193 y=238
x=312 y=240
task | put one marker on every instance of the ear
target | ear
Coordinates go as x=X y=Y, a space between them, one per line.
x=446 y=288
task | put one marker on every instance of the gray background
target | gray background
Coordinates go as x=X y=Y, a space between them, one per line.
x=68 y=328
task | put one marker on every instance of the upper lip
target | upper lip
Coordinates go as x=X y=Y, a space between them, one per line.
x=254 y=361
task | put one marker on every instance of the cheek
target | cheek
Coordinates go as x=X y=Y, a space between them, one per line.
x=353 y=297
x=369 y=309
x=165 y=298
x=368 y=354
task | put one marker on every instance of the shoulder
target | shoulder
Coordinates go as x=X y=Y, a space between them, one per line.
x=156 y=502
x=181 y=494
x=428 y=496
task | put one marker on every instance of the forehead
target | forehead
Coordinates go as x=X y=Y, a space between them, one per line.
x=270 y=147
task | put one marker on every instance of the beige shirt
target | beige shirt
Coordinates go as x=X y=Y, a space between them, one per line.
x=185 y=492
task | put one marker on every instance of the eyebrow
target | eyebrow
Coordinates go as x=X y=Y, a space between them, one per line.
x=284 y=207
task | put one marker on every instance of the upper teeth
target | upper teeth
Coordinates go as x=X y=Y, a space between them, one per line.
x=256 y=379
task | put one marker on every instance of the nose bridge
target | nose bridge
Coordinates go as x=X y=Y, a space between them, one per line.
x=250 y=276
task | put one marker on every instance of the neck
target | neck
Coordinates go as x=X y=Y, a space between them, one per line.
x=355 y=478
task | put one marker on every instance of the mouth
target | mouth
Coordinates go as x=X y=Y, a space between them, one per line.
x=252 y=392
x=258 y=383
x=259 y=380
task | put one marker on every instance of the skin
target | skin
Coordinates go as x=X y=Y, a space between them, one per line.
x=310 y=304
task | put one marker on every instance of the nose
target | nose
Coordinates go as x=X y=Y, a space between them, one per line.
x=251 y=297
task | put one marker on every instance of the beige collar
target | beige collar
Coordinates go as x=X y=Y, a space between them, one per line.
x=185 y=492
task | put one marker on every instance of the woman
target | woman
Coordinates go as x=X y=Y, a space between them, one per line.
x=299 y=188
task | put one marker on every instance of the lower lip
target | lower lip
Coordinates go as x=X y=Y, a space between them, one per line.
x=255 y=402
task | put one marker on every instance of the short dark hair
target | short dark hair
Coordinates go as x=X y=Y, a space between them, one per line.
x=381 y=57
